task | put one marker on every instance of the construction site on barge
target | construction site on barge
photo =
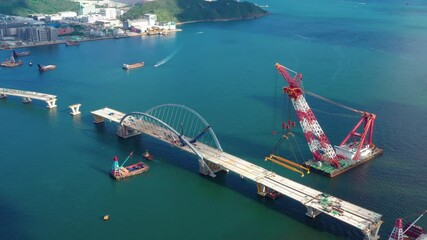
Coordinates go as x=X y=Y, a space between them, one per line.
x=356 y=148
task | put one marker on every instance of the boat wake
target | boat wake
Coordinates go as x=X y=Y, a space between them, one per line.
x=166 y=59
x=198 y=33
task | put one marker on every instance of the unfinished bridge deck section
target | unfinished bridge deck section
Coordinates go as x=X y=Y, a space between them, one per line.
x=27 y=96
x=315 y=201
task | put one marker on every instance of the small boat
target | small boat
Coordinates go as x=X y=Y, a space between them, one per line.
x=30 y=64
x=10 y=63
x=148 y=156
x=120 y=172
x=132 y=66
x=21 y=54
x=46 y=68
x=274 y=194
x=72 y=43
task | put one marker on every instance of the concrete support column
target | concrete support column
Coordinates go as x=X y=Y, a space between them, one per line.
x=51 y=103
x=312 y=212
x=26 y=100
x=75 y=109
x=98 y=119
x=205 y=169
x=125 y=132
x=372 y=232
x=261 y=189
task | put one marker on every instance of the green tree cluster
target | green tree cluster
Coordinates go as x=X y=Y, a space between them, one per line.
x=25 y=7
x=195 y=10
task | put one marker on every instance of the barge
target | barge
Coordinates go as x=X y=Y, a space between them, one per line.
x=46 y=68
x=345 y=163
x=72 y=43
x=21 y=54
x=121 y=172
x=133 y=66
x=10 y=63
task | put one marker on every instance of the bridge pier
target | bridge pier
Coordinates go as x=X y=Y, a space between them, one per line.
x=261 y=189
x=75 y=109
x=372 y=233
x=51 y=103
x=208 y=168
x=126 y=132
x=312 y=212
x=26 y=100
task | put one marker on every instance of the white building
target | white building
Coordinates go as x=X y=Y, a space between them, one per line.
x=68 y=14
x=167 y=25
x=53 y=17
x=87 y=8
x=152 y=19
x=110 y=13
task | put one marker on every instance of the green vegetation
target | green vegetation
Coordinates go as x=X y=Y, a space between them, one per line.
x=195 y=10
x=25 y=7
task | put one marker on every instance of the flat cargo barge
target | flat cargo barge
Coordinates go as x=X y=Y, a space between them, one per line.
x=129 y=171
x=330 y=171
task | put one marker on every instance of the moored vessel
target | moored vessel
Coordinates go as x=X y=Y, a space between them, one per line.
x=72 y=43
x=10 y=63
x=46 y=68
x=148 y=156
x=132 y=66
x=21 y=54
x=121 y=172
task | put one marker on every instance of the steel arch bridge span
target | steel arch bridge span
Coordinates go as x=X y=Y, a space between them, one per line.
x=187 y=122
x=139 y=122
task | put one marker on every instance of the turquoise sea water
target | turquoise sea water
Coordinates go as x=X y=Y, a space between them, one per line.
x=369 y=55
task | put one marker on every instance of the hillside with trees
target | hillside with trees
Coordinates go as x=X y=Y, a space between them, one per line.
x=195 y=10
x=25 y=7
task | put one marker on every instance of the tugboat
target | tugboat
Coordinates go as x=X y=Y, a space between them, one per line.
x=10 y=63
x=148 y=156
x=120 y=172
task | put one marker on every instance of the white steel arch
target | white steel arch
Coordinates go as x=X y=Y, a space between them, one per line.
x=177 y=115
x=139 y=121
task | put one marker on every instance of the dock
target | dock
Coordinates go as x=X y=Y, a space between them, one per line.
x=27 y=96
x=316 y=202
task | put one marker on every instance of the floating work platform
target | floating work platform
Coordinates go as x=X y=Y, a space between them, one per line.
x=129 y=171
x=345 y=165
x=27 y=96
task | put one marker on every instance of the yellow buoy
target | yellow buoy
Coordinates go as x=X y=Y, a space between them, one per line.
x=106 y=217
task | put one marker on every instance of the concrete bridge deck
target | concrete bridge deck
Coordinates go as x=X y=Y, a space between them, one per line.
x=315 y=201
x=27 y=96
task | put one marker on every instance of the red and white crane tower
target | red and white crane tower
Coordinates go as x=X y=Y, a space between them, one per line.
x=353 y=147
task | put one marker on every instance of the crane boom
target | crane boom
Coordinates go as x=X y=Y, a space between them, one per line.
x=317 y=141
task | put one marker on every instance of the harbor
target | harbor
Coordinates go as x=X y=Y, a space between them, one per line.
x=58 y=164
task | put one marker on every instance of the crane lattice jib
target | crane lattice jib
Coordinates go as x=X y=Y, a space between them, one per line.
x=317 y=141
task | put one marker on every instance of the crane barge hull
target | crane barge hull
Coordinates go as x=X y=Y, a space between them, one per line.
x=330 y=171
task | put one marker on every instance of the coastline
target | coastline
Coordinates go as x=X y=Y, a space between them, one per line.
x=223 y=19
x=37 y=44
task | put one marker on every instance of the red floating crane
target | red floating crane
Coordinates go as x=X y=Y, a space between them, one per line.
x=354 y=149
